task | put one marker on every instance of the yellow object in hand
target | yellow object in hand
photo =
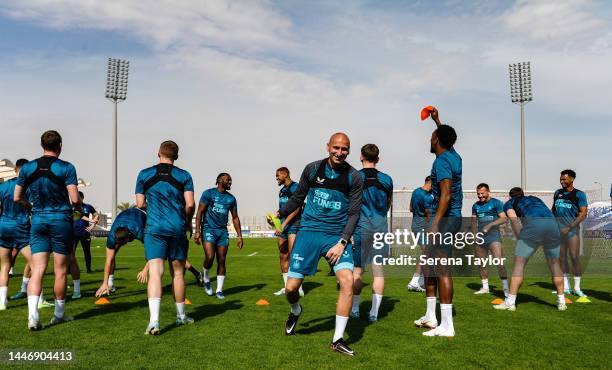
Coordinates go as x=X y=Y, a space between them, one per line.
x=277 y=223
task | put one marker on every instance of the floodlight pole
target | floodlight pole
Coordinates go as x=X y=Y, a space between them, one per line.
x=521 y=94
x=523 y=164
x=115 y=177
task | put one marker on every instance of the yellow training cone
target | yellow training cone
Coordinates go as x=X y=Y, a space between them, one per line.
x=262 y=302
x=583 y=300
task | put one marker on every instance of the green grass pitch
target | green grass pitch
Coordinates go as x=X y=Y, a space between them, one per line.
x=236 y=333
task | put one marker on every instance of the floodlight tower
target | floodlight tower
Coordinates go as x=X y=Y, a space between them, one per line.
x=520 y=93
x=116 y=91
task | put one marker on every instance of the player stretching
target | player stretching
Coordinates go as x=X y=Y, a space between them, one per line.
x=215 y=206
x=420 y=207
x=166 y=192
x=536 y=227
x=487 y=215
x=82 y=228
x=290 y=224
x=376 y=201
x=446 y=218
x=50 y=184
x=570 y=209
x=129 y=225
x=333 y=190
x=14 y=231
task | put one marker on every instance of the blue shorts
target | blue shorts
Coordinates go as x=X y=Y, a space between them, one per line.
x=52 y=234
x=309 y=247
x=14 y=235
x=491 y=237
x=173 y=248
x=290 y=230
x=541 y=232
x=573 y=232
x=364 y=250
x=442 y=244
x=218 y=237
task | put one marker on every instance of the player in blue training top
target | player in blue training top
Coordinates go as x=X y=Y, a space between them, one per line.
x=129 y=226
x=536 y=227
x=166 y=192
x=332 y=190
x=375 y=203
x=50 y=185
x=290 y=224
x=446 y=219
x=420 y=207
x=14 y=231
x=570 y=207
x=487 y=215
x=82 y=233
x=216 y=204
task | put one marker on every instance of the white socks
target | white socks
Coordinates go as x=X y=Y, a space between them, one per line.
x=33 y=307
x=431 y=308
x=560 y=298
x=77 y=286
x=510 y=299
x=111 y=281
x=485 y=284
x=505 y=284
x=296 y=309
x=24 y=284
x=356 y=299
x=3 y=293
x=220 y=281
x=376 y=299
x=59 y=308
x=154 y=304
x=566 y=285
x=206 y=276
x=340 y=326
x=446 y=311
x=576 y=283
x=180 y=310
x=285 y=279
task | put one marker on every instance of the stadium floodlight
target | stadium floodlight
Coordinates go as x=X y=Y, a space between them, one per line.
x=521 y=94
x=116 y=91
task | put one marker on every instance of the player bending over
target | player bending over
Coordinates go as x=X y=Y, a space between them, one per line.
x=333 y=191
x=487 y=215
x=536 y=227
x=211 y=229
x=375 y=203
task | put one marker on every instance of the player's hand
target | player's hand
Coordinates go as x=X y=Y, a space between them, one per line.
x=240 y=243
x=278 y=233
x=565 y=230
x=142 y=277
x=434 y=114
x=434 y=228
x=104 y=290
x=270 y=221
x=485 y=229
x=197 y=238
x=334 y=254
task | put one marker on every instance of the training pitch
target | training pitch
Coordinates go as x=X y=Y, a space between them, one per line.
x=237 y=333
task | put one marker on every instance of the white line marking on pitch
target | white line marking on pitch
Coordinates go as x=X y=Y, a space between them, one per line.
x=252 y=254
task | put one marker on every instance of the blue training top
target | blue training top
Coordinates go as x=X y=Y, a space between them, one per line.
x=220 y=204
x=45 y=180
x=487 y=212
x=420 y=201
x=10 y=211
x=132 y=219
x=529 y=208
x=377 y=192
x=164 y=186
x=448 y=166
x=567 y=205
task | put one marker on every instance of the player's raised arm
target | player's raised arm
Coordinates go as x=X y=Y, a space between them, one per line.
x=435 y=116
x=514 y=222
x=108 y=264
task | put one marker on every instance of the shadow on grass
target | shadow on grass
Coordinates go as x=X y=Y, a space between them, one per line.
x=207 y=311
x=356 y=327
x=244 y=288
x=309 y=286
x=492 y=289
x=604 y=296
x=111 y=308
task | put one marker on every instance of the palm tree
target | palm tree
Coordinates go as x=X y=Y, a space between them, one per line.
x=125 y=205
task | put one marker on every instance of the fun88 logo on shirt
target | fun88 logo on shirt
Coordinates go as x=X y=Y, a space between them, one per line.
x=219 y=208
x=321 y=198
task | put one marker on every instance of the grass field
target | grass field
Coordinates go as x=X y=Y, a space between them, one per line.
x=236 y=333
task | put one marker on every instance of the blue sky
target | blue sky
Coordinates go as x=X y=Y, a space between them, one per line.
x=248 y=86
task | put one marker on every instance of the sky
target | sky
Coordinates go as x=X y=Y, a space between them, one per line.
x=248 y=86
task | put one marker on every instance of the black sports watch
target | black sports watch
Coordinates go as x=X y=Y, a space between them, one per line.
x=344 y=242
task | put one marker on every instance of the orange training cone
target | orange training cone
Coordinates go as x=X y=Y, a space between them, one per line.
x=262 y=302
x=567 y=300
x=497 y=301
x=187 y=301
x=103 y=300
